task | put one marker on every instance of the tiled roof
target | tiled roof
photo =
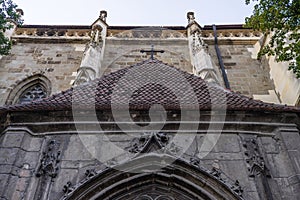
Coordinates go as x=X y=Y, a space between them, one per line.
x=144 y=84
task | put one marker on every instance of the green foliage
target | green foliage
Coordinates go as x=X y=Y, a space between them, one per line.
x=280 y=18
x=8 y=15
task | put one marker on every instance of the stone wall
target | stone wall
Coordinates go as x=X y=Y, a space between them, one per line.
x=57 y=62
x=267 y=150
x=286 y=83
x=123 y=53
x=245 y=74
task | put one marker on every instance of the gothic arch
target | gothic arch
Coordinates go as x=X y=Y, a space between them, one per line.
x=22 y=86
x=178 y=181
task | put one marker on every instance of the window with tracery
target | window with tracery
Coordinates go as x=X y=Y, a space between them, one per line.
x=32 y=93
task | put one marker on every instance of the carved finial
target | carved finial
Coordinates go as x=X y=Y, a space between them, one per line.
x=103 y=15
x=20 y=11
x=190 y=16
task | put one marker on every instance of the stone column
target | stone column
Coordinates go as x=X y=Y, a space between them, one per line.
x=200 y=58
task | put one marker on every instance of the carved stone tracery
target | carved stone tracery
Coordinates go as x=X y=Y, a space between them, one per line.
x=255 y=161
x=35 y=92
x=153 y=142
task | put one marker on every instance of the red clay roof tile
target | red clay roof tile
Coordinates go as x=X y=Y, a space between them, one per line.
x=144 y=84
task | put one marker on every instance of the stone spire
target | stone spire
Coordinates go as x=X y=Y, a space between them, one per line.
x=93 y=53
x=204 y=67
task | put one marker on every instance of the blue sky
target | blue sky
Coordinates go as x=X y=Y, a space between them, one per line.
x=134 y=12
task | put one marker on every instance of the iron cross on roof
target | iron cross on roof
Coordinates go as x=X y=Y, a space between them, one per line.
x=152 y=51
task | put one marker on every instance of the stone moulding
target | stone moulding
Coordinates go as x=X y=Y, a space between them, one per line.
x=257 y=128
x=31 y=33
x=52 y=32
x=194 y=182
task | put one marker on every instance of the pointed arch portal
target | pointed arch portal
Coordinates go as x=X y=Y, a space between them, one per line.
x=178 y=181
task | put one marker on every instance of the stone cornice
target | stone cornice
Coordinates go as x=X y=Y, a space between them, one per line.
x=229 y=127
x=233 y=34
x=55 y=34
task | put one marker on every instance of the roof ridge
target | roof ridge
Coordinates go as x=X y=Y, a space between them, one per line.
x=147 y=95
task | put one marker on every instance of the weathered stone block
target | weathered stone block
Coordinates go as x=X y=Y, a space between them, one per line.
x=227 y=144
x=32 y=144
x=291 y=140
x=13 y=139
x=30 y=158
x=76 y=150
x=3 y=183
x=269 y=145
x=8 y=155
x=278 y=165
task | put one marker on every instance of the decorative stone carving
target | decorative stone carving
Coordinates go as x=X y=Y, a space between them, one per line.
x=50 y=160
x=68 y=188
x=162 y=138
x=216 y=172
x=149 y=142
x=237 y=188
x=51 y=33
x=232 y=34
x=201 y=60
x=233 y=185
x=90 y=173
x=137 y=144
x=151 y=32
x=255 y=161
x=195 y=161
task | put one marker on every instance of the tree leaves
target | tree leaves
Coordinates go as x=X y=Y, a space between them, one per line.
x=280 y=18
x=8 y=15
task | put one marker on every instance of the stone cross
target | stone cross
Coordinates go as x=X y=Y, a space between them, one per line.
x=152 y=51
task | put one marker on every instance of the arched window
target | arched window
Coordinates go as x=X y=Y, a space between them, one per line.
x=30 y=89
x=34 y=92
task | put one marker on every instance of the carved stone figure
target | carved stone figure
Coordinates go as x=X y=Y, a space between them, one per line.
x=49 y=161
